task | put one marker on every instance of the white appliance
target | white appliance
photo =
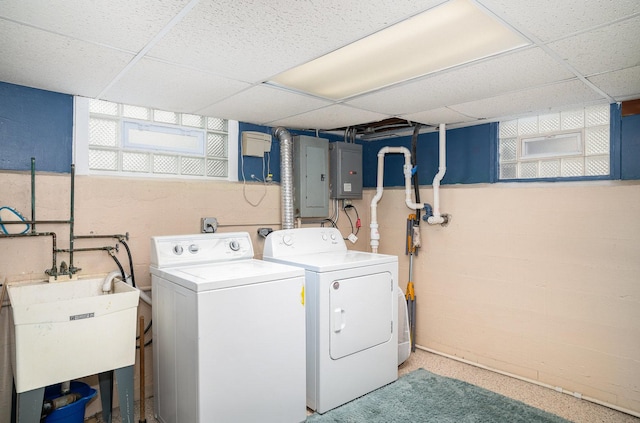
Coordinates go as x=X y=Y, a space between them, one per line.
x=352 y=312
x=228 y=332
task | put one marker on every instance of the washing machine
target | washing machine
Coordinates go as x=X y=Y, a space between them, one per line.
x=351 y=302
x=228 y=332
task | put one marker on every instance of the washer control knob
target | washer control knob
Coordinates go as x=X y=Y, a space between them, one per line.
x=324 y=237
x=177 y=249
x=234 y=245
x=333 y=237
x=287 y=240
x=193 y=248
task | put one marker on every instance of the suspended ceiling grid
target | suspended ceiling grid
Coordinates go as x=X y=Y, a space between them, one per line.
x=213 y=58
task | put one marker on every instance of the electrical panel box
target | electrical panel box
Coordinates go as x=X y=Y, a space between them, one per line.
x=255 y=143
x=345 y=170
x=310 y=176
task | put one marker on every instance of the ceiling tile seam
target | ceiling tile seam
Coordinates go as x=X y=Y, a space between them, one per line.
x=552 y=53
x=60 y=34
x=437 y=73
x=594 y=28
x=297 y=114
x=258 y=84
x=501 y=118
x=453 y=107
x=356 y=39
x=173 y=22
x=463 y=114
x=488 y=11
x=555 y=56
x=193 y=68
x=303 y=93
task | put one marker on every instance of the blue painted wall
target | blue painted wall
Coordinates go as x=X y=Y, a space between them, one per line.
x=470 y=149
x=630 y=147
x=253 y=165
x=35 y=123
x=470 y=157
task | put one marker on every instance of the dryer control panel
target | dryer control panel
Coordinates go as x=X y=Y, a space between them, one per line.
x=179 y=250
x=289 y=242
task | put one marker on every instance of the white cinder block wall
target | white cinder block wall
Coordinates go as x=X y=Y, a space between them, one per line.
x=107 y=205
x=538 y=280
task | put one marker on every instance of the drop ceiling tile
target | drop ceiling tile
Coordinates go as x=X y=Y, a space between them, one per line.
x=438 y=116
x=262 y=104
x=252 y=41
x=535 y=100
x=331 y=117
x=123 y=24
x=53 y=62
x=551 y=20
x=605 y=49
x=169 y=87
x=505 y=73
x=621 y=85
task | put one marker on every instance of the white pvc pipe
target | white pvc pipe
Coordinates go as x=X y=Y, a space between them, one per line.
x=375 y=235
x=143 y=293
x=437 y=218
x=145 y=297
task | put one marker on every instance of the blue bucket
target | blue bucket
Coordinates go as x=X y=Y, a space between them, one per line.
x=70 y=413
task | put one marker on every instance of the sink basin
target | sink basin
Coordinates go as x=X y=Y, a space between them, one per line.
x=68 y=330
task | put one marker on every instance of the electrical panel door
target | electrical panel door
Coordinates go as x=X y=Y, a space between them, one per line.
x=346 y=170
x=310 y=176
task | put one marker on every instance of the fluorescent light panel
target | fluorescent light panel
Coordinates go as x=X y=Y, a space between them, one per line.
x=448 y=35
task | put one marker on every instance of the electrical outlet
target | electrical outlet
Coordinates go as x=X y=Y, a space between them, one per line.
x=209 y=224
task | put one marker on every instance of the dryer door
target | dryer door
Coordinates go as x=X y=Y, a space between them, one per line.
x=360 y=313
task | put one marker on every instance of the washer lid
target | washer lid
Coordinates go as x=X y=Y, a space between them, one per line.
x=329 y=262
x=211 y=276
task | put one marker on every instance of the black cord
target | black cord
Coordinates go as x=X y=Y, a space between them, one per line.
x=350 y=206
x=333 y=224
x=146 y=329
x=146 y=344
x=133 y=278
x=124 y=275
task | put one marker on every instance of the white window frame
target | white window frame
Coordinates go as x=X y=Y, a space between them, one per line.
x=197 y=149
x=590 y=156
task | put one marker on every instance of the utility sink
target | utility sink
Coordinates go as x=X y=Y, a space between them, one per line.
x=67 y=330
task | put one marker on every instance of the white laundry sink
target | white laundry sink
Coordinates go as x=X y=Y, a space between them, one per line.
x=68 y=330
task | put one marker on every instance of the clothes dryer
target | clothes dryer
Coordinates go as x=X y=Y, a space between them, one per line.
x=228 y=332
x=351 y=302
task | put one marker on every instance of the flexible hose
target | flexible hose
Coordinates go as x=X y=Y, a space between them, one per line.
x=286 y=175
x=124 y=275
x=126 y=247
x=414 y=162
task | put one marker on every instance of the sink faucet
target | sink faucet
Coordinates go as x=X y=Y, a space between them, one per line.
x=107 y=285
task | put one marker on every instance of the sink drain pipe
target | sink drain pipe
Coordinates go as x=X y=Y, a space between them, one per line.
x=286 y=175
x=407 y=168
x=437 y=218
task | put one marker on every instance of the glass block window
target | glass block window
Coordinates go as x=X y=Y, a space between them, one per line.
x=134 y=140
x=566 y=144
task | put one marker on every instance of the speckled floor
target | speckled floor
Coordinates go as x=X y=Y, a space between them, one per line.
x=563 y=405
